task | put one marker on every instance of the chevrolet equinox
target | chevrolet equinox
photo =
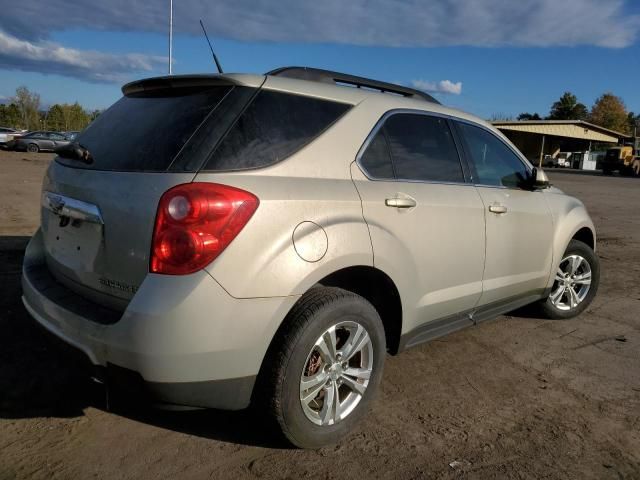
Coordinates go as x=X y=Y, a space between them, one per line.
x=228 y=240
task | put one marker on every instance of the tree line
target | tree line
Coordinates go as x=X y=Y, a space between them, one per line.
x=608 y=111
x=23 y=112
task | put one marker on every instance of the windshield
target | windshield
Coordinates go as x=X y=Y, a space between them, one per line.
x=145 y=131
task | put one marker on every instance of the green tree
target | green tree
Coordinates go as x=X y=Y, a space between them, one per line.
x=28 y=104
x=66 y=117
x=568 y=108
x=529 y=116
x=500 y=117
x=9 y=115
x=55 y=120
x=610 y=112
x=634 y=123
x=78 y=118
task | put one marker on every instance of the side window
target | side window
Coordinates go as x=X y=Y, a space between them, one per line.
x=273 y=127
x=376 y=160
x=493 y=162
x=422 y=148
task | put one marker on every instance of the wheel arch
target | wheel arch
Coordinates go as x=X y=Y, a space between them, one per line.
x=572 y=222
x=378 y=289
x=585 y=235
x=370 y=283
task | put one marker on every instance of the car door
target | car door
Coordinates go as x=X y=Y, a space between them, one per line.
x=38 y=138
x=426 y=222
x=57 y=140
x=47 y=141
x=519 y=225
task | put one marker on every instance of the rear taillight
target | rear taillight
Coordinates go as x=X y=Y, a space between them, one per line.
x=195 y=223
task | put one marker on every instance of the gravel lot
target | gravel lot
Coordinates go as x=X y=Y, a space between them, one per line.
x=516 y=397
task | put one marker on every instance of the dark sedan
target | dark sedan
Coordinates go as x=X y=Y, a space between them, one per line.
x=38 y=142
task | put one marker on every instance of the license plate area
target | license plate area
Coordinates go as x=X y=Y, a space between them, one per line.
x=73 y=243
x=73 y=231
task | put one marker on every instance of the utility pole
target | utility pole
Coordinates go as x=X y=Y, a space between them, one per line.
x=170 y=34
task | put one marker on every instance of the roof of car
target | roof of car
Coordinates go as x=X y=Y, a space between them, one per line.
x=345 y=79
x=318 y=83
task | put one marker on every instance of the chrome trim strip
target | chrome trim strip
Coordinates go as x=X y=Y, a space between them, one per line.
x=64 y=206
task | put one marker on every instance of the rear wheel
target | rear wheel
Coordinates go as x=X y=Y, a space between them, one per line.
x=576 y=282
x=607 y=171
x=33 y=148
x=324 y=367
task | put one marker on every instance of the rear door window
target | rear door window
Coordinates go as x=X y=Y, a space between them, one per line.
x=421 y=148
x=376 y=159
x=145 y=131
x=274 y=126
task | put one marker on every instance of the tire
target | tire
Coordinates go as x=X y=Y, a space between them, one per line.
x=33 y=148
x=607 y=171
x=567 y=305
x=295 y=354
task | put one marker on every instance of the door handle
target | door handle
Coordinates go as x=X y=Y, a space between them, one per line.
x=499 y=209
x=400 y=202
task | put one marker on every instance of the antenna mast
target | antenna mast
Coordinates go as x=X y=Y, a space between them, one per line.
x=215 y=58
x=170 y=34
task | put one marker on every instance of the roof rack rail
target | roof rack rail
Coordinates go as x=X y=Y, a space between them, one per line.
x=327 y=76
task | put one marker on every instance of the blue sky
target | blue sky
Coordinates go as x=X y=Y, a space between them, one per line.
x=484 y=56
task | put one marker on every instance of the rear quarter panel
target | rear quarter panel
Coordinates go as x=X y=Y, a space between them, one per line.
x=313 y=185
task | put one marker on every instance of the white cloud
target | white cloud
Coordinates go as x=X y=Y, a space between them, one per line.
x=443 y=86
x=26 y=26
x=416 y=23
x=49 y=57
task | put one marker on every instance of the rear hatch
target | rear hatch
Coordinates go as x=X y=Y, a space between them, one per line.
x=99 y=199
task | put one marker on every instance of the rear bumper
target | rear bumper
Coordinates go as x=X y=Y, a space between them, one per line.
x=187 y=339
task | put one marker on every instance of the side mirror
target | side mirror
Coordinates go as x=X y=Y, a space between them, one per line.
x=539 y=179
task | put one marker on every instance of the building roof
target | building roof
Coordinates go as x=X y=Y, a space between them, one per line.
x=563 y=128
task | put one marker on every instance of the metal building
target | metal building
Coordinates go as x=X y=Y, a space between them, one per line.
x=537 y=138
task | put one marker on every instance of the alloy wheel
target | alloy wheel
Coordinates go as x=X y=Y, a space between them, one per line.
x=572 y=283
x=336 y=373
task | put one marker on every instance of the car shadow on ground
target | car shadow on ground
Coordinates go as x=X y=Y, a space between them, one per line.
x=40 y=376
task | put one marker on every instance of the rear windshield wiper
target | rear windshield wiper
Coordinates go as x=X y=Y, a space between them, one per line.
x=75 y=151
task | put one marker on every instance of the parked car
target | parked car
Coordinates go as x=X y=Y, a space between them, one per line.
x=268 y=239
x=38 y=141
x=6 y=134
x=71 y=135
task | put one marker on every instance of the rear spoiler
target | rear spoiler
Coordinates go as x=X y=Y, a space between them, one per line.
x=193 y=81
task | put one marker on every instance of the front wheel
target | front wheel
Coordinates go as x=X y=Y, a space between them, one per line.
x=324 y=367
x=576 y=282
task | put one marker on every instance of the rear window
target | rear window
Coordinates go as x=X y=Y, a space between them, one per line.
x=274 y=126
x=144 y=132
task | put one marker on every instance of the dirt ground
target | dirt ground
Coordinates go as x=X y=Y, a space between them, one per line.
x=516 y=397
